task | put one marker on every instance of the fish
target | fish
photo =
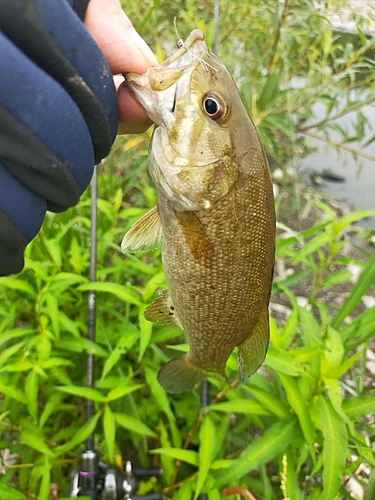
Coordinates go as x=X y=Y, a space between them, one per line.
x=214 y=218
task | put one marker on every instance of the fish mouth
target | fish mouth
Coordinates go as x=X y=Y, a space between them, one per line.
x=160 y=78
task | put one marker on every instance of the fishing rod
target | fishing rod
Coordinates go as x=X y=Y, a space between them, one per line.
x=93 y=477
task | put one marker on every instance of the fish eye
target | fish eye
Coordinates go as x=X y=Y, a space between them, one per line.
x=213 y=106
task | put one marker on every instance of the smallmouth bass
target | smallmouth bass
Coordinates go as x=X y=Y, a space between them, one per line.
x=215 y=216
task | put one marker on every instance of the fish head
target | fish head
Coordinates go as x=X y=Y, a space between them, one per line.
x=200 y=121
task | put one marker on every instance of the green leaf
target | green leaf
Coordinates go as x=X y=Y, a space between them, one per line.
x=122 y=292
x=167 y=463
x=19 y=366
x=53 y=312
x=333 y=353
x=83 y=392
x=51 y=406
x=54 y=361
x=12 y=334
x=158 y=392
x=337 y=278
x=334 y=394
x=357 y=407
x=297 y=402
x=310 y=328
x=274 y=441
x=289 y=330
x=16 y=394
x=31 y=389
x=312 y=246
x=94 y=348
x=359 y=330
x=364 y=282
x=146 y=331
x=270 y=402
x=81 y=435
x=282 y=361
x=207 y=437
x=246 y=406
x=18 y=284
x=349 y=219
x=125 y=343
x=8 y=493
x=134 y=425
x=44 y=488
x=8 y=353
x=270 y=91
x=334 y=448
x=109 y=424
x=120 y=392
x=188 y=456
x=34 y=441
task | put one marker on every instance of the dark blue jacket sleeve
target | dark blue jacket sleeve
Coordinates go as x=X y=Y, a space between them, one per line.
x=58 y=116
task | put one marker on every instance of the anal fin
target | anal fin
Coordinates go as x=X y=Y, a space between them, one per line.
x=162 y=311
x=252 y=351
x=181 y=374
x=145 y=234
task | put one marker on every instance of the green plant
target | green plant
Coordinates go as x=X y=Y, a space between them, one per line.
x=298 y=426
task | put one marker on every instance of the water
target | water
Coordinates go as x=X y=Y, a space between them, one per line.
x=358 y=175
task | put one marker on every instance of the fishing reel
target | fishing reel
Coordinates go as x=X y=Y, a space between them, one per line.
x=101 y=482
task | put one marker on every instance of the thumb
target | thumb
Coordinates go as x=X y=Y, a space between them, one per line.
x=124 y=49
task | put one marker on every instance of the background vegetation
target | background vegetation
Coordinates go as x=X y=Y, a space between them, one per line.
x=298 y=429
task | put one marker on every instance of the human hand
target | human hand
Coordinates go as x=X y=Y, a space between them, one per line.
x=125 y=51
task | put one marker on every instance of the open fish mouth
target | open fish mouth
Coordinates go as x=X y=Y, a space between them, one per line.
x=175 y=69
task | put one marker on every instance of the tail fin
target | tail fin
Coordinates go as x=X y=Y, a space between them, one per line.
x=180 y=374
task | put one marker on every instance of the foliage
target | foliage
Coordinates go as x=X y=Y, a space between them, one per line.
x=299 y=425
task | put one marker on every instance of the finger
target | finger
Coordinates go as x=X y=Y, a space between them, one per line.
x=132 y=116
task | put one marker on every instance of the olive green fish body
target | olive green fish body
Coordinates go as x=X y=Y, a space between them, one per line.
x=215 y=216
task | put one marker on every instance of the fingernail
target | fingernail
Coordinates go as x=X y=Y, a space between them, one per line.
x=143 y=47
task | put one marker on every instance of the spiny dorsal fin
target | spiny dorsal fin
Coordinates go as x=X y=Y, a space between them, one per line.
x=145 y=234
x=195 y=236
x=252 y=351
x=162 y=311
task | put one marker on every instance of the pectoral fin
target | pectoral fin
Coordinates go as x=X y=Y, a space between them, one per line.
x=145 y=234
x=252 y=351
x=162 y=311
x=195 y=236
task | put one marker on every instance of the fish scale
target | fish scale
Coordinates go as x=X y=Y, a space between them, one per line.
x=215 y=216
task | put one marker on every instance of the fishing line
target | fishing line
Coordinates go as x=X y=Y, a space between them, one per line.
x=181 y=44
